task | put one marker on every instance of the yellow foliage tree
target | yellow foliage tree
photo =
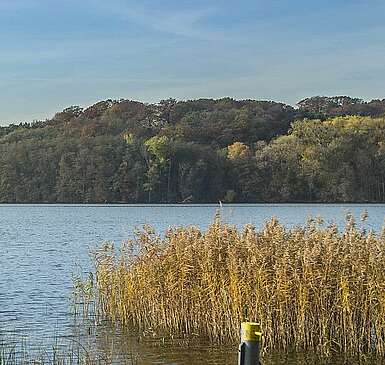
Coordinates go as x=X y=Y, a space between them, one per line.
x=238 y=150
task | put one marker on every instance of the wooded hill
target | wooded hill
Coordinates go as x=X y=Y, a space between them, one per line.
x=327 y=149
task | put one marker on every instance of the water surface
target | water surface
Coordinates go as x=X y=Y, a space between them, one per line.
x=43 y=245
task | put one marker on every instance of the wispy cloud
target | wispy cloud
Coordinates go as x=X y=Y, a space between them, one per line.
x=184 y=22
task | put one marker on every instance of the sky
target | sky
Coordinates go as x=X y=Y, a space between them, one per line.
x=54 y=54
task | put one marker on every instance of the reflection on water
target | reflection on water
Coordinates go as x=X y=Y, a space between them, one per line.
x=125 y=348
x=121 y=347
x=128 y=349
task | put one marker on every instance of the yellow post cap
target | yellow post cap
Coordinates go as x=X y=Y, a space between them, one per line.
x=251 y=331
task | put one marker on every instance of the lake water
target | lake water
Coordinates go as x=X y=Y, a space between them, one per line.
x=42 y=245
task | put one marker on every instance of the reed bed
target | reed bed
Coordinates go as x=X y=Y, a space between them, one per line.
x=313 y=288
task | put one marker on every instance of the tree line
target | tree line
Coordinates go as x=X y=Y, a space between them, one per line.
x=327 y=149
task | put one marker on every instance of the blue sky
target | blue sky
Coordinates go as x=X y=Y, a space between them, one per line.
x=54 y=54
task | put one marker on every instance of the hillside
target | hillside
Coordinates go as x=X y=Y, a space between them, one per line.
x=326 y=149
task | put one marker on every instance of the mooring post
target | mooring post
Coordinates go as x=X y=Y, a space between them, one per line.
x=250 y=347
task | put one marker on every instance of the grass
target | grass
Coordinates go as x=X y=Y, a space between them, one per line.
x=19 y=354
x=71 y=352
x=313 y=288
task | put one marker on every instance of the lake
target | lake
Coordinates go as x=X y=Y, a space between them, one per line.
x=43 y=245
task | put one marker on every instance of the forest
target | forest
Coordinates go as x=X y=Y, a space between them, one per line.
x=325 y=149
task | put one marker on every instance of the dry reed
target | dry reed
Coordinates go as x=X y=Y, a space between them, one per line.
x=313 y=288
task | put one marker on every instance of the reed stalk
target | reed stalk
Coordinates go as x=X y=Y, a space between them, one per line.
x=313 y=288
